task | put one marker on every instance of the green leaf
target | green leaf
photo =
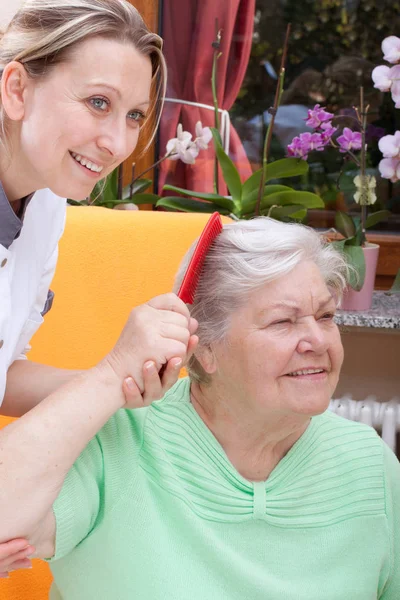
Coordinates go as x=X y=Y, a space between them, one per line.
x=305 y=199
x=344 y=224
x=284 y=213
x=190 y=205
x=355 y=240
x=285 y=167
x=252 y=183
x=249 y=202
x=377 y=217
x=216 y=198
x=76 y=202
x=338 y=245
x=229 y=171
x=395 y=289
x=355 y=257
x=139 y=186
x=144 y=199
x=110 y=190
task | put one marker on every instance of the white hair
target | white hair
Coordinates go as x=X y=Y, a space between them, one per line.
x=246 y=256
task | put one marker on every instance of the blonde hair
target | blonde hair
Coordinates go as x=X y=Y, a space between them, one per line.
x=43 y=34
x=245 y=256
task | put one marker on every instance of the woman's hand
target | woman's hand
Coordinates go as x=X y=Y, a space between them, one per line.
x=15 y=555
x=156 y=341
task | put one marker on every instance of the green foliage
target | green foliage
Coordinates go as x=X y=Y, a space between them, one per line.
x=279 y=201
x=395 y=289
x=230 y=172
x=354 y=239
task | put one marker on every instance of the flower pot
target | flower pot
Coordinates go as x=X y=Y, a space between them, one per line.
x=362 y=300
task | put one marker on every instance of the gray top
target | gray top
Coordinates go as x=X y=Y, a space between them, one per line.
x=10 y=223
x=384 y=313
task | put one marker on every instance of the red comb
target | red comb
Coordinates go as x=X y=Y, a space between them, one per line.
x=191 y=279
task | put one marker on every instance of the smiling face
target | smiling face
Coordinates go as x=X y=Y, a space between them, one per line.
x=83 y=119
x=283 y=352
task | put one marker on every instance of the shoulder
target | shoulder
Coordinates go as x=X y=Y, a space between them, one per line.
x=341 y=462
x=45 y=215
x=125 y=430
x=180 y=392
x=348 y=442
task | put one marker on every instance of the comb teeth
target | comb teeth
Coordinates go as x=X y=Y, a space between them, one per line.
x=191 y=279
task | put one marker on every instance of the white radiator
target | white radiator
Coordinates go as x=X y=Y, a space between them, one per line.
x=383 y=416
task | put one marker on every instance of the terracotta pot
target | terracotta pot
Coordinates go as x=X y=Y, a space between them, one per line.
x=362 y=300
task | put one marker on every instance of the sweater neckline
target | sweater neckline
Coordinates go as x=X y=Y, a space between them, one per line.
x=181 y=455
x=279 y=470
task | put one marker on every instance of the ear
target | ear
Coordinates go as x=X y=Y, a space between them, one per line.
x=14 y=83
x=207 y=359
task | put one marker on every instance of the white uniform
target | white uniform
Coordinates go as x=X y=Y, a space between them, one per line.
x=27 y=267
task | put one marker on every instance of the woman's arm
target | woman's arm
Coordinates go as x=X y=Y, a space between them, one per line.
x=28 y=383
x=37 y=451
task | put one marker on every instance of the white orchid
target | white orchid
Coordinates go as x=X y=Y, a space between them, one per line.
x=181 y=147
x=381 y=78
x=391 y=49
x=389 y=168
x=365 y=193
x=203 y=136
x=389 y=145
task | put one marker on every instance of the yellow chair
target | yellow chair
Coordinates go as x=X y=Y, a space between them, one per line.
x=109 y=262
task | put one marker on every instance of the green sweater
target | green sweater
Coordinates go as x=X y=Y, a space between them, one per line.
x=154 y=510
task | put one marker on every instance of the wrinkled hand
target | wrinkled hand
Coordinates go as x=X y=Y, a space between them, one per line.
x=157 y=340
x=15 y=555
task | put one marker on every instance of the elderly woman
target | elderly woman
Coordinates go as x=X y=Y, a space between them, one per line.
x=238 y=483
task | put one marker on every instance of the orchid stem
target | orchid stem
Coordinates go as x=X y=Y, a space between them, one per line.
x=364 y=192
x=272 y=111
x=153 y=166
x=214 y=87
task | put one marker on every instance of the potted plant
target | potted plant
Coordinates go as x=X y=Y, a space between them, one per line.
x=361 y=254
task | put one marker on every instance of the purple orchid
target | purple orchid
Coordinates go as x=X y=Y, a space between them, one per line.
x=317 y=116
x=305 y=143
x=327 y=131
x=296 y=149
x=349 y=141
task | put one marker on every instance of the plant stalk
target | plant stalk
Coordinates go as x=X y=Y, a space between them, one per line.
x=364 y=184
x=273 y=110
x=214 y=87
x=152 y=166
x=120 y=181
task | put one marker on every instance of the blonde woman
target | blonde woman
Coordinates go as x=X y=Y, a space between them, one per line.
x=80 y=81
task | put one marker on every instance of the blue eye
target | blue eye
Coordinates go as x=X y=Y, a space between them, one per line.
x=137 y=115
x=99 y=103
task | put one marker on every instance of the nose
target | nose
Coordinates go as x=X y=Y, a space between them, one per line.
x=117 y=139
x=313 y=338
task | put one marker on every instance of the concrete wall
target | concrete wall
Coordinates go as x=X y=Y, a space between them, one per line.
x=371 y=363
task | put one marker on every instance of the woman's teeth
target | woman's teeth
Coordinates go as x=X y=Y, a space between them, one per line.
x=86 y=163
x=306 y=372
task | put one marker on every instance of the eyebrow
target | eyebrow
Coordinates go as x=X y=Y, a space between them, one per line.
x=292 y=306
x=116 y=91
